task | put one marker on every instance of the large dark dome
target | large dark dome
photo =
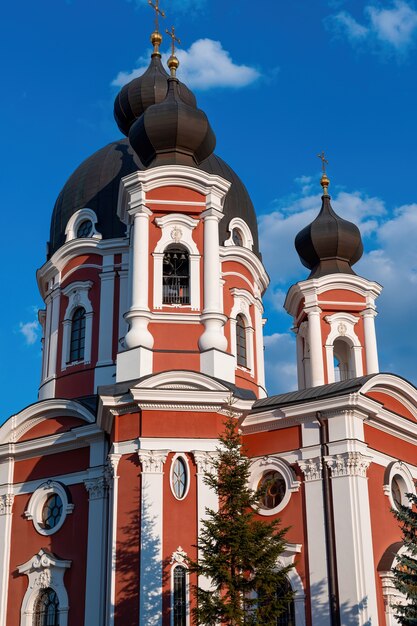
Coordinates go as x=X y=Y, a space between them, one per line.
x=95 y=185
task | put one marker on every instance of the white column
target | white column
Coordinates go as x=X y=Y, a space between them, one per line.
x=105 y=338
x=300 y=360
x=96 y=551
x=259 y=339
x=353 y=537
x=113 y=462
x=206 y=497
x=123 y=294
x=53 y=336
x=316 y=346
x=6 y=506
x=138 y=314
x=316 y=541
x=212 y=317
x=150 y=602
x=371 y=350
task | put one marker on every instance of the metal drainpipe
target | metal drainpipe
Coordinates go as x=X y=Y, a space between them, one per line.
x=329 y=524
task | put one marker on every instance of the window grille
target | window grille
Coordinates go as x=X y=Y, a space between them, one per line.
x=287 y=618
x=77 y=342
x=180 y=596
x=46 y=611
x=176 y=276
x=241 y=342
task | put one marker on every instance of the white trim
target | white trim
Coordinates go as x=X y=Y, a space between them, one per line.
x=183 y=457
x=106 y=313
x=38 y=500
x=44 y=571
x=77 y=294
x=261 y=466
x=249 y=260
x=244 y=231
x=399 y=468
x=242 y=301
x=342 y=328
x=82 y=215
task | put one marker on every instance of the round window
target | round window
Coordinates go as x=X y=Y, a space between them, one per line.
x=85 y=229
x=273 y=487
x=179 y=478
x=52 y=512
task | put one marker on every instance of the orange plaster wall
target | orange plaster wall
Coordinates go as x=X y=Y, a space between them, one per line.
x=164 y=361
x=392 y=404
x=128 y=542
x=90 y=259
x=177 y=193
x=126 y=427
x=70 y=542
x=176 y=336
x=341 y=295
x=78 y=381
x=234 y=266
x=186 y=424
x=52 y=426
x=271 y=442
x=393 y=446
x=52 y=465
x=180 y=528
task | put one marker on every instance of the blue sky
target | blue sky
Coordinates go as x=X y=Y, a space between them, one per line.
x=280 y=81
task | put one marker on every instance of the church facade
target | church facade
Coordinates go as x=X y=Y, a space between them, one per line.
x=152 y=332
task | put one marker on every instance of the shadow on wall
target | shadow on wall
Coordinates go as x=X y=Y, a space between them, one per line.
x=350 y=614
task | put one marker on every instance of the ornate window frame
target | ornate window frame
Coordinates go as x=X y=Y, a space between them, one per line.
x=342 y=327
x=44 y=570
x=37 y=501
x=76 y=219
x=179 y=559
x=183 y=457
x=261 y=466
x=398 y=468
x=77 y=294
x=176 y=229
x=243 y=300
x=244 y=230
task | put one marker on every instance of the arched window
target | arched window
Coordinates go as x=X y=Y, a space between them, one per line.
x=176 y=276
x=287 y=618
x=241 y=342
x=179 y=596
x=77 y=341
x=46 y=611
x=343 y=365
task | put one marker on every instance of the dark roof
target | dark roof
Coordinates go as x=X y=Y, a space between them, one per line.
x=95 y=185
x=119 y=389
x=312 y=393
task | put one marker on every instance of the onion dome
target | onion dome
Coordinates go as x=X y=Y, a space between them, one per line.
x=330 y=244
x=146 y=90
x=172 y=132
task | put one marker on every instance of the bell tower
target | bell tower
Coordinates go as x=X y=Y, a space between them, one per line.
x=334 y=309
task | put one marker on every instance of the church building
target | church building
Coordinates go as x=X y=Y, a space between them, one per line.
x=152 y=328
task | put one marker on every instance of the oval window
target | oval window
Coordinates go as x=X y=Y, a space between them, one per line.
x=179 y=478
x=398 y=489
x=51 y=511
x=84 y=229
x=273 y=487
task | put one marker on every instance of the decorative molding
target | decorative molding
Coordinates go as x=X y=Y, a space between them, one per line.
x=37 y=501
x=311 y=468
x=179 y=557
x=112 y=465
x=6 y=503
x=96 y=487
x=260 y=466
x=348 y=464
x=204 y=461
x=244 y=231
x=82 y=215
x=152 y=460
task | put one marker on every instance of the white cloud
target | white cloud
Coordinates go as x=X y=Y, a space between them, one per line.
x=280 y=363
x=206 y=64
x=30 y=331
x=393 y=26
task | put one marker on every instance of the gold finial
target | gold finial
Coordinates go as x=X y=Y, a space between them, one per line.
x=156 y=37
x=173 y=62
x=324 y=182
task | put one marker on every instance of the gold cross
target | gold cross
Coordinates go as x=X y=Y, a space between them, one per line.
x=158 y=12
x=171 y=33
x=324 y=162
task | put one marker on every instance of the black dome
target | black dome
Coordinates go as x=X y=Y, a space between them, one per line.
x=95 y=185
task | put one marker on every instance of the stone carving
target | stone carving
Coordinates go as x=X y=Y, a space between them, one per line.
x=96 y=487
x=6 y=503
x=179 y=556
x=311 y=469
x=204 y=461
x=342 y=329
x=348 y=464
x=176 y=234
x=152 y=460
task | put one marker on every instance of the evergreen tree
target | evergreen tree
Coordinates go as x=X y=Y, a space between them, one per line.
x=405 y=570
x=237 y=551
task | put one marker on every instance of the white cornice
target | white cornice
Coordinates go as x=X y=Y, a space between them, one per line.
x=248 y=259
x=311 y=289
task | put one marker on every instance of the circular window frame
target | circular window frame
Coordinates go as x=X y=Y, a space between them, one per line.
x=400 y=470
x=183 y=457
x=38 y=500
x=266 y=464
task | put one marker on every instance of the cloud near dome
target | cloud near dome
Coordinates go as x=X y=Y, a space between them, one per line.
x=205 y=65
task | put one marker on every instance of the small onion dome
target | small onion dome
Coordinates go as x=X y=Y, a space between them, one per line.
x=330 y=244
x=144 y=91
x=172 y=132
